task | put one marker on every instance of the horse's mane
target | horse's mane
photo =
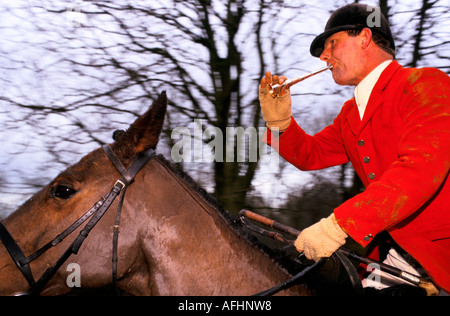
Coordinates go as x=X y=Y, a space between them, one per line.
x=280 y=256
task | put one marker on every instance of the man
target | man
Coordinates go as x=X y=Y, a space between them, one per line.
x=396 y=133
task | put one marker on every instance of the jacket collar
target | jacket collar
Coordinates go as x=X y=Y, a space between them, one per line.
x=375 y=100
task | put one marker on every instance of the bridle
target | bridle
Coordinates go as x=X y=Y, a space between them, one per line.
x=97 y=211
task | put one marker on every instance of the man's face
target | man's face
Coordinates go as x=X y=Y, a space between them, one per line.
x=342 y=51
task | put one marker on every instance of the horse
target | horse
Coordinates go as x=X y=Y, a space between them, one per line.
x=174 y=239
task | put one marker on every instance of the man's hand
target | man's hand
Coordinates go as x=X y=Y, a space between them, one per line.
x=321 y=240
x=273 y=80
x=276 y=112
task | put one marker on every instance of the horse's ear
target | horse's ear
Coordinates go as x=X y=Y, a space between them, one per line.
x=144 y=133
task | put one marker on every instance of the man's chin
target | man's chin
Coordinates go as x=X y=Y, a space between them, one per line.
x=343 y=81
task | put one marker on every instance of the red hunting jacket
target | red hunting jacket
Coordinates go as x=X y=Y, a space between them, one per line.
x=401 y=152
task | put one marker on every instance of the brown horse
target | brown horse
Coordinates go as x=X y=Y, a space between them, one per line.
x=174 y=239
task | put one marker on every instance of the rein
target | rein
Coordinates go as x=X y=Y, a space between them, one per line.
x=98 y=210
x=346 y=263
x=342 y=255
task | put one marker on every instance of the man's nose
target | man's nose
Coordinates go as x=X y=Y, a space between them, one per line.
x=325 y=56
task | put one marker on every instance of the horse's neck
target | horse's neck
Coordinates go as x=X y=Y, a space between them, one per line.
x=192 y=248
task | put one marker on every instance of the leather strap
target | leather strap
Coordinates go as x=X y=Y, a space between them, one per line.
x=64 y=234
x=118 y=165
x=98 y=210
x=16 y=253
x=127 y=176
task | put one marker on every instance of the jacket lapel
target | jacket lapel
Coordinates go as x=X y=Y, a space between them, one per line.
x=375 y=100
x=353 y=117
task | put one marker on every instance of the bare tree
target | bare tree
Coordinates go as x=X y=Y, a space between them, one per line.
x=102 y=62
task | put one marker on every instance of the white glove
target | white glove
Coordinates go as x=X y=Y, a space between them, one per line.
x=321 y=240
x=276 y=112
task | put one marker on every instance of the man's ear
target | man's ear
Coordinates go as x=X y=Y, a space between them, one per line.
x=365 y=38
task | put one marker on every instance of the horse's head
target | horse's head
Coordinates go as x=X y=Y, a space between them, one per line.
x=66 y=199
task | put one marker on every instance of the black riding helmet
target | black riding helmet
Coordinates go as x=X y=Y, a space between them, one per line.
x=353 y=17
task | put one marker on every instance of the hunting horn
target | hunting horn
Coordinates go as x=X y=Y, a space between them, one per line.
x=276 y=89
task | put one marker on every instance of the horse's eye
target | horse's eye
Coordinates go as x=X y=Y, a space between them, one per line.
x=63 y=192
